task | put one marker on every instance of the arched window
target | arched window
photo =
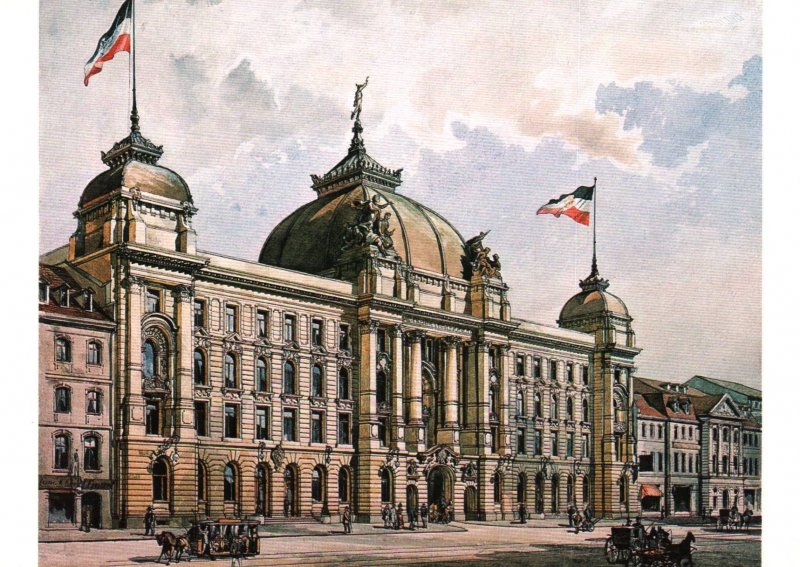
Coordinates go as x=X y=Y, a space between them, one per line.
x=570 y=489
x=63 y=400
x=261 y=375
x=585 y=408
x=160 y=480
x=63 y=350
x=586 y=490
x=520 y=404
x=199 y=370
x=344 y=485
x=229 y=483
x=735 y=435
x=149 y=359
x=497 y=481
x=492 y=400
x=553 y=406
x=288 y=377
x=555 y=497
x=316 y=381
x=94 y=353
x=386 y=486
x=344 y=384
x=570 y=410
x=380 y=397
x=91 y=453
x=61 y=451
x=230 y=371
x=537 y=405
x=521 y=482
x=317 y=484
x=623 y=489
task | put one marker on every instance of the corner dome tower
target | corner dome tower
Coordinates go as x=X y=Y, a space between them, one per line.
x=312 y=238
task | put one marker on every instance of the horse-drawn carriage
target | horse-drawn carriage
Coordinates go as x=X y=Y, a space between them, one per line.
x=632 y=545
x=224 y=537
x=221 y=538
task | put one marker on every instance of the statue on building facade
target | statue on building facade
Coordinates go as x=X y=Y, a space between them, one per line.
x=371 y=228
x=479 y=259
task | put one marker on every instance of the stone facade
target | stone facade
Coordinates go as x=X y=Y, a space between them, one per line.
x=367 y=358
x=75 y=387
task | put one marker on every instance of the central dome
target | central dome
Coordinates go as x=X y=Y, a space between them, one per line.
x=311 y=238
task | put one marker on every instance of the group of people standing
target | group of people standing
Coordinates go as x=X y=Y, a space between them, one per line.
x=394 y=519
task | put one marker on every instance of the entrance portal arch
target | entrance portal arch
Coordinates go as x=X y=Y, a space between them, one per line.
x=440 y=485
x=471 y=511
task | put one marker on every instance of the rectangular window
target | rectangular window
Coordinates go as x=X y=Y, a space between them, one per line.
x=383 y=432
x=553 y=370
x=755 y=467
x=381 y=336
x=644 y=430
x=570 y=444
x=93 y=402
x=289 y=328
x=201 y=418
x=289 y=425
x=537 y=367
x=316 y=332
x=62 y=402
x=43 y=292
x=714 y=464
x=691 y=433
x=617 y=375
x=91 y=454
x=554 y=444
x=199 y=313
x=691 y=463
x=660 y=431
x=262 y=422
x=231 y=420
x=537 y=442
x=344 y=429
x=230 y=319
x=660 y=462
x=570 y=369
x=494 y=439
x=152 y=417
x=521 y=441
x=152 y=301
x=344 y=337
x=94 y=353
x=585 y=372
x=586 y=446
x=645 y=463
x=316 y=427
x=683 y=462
x=675 y=462
x=261 y=324
x=520 y=366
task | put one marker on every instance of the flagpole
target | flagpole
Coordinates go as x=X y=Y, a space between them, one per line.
x=594 y=228
x=134 y=111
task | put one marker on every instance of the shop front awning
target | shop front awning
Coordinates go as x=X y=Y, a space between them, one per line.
x=650 y=490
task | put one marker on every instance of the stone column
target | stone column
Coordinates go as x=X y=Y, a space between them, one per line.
x=367 y=406
x=398 y=423
x=133 y=400
x=504 y=431
x=415 y=437
x=450 y=433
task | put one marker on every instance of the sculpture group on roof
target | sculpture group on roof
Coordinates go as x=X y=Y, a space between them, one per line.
x=479 y=259
x=371 y=227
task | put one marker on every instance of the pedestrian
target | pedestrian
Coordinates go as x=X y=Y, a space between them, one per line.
x=237 y=552
x=571 y=513
x=400 y=520
x=150 y=521
x=424 y=514
x=522 y=513
x=412 y=518
x=663 y=514
x=393 y=517
x=385 y=516
x=347 y=520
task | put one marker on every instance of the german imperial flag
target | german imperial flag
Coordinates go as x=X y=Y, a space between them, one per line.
x=575 y=205
x=116 y=39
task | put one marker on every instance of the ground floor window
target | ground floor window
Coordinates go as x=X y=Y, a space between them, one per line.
x=651 y=504
x=62 y=508
x=683 y=497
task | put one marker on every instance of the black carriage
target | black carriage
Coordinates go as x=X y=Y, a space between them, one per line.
x=224 y=537
x=728 y=520
x=625 y=545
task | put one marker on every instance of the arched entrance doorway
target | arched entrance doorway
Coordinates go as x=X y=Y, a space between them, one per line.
x=412 y=498
x=471 y=503
x=440 y=485
x=262 y=491
x=291 y=491
x=92 y=505
x=540 y=493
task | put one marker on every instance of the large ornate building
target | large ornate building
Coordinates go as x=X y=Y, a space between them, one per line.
x=369 y=356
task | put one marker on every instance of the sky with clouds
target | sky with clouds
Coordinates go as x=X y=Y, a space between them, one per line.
x=491 y=108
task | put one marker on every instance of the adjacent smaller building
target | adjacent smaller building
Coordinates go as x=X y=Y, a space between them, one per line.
x=75 y=477
x=697 y=452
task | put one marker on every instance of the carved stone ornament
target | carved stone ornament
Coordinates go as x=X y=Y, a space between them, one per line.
x=232 y=393
x=290 y=399
x=469 y=472
x=183 y=292
x=411 y=469
x=232 y=342
x=344 y=404
x=290 y=354
x=368 y=326
x=262 y=348
x=414 y=336
x=440 y=455
x=132 y=282
x=276 y=456
x=318 y=402
x=201 y=391
x=201 y=339
x=479 y=258
x=371 y=227
x=393 y=459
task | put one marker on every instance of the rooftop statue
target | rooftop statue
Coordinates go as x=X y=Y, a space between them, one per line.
x=356 y=114
x=479 y=259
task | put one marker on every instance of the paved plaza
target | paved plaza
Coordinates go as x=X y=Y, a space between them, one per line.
x=537 y=543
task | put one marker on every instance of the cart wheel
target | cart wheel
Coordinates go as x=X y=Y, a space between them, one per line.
x=590 y=527
x=612 y=555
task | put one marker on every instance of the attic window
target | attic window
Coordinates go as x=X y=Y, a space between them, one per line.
x=44 y=292
x=88 y=300
x=63 y=296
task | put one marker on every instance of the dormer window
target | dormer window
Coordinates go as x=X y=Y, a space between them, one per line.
x=88 y=300
x=63 y=296
x=44 y=292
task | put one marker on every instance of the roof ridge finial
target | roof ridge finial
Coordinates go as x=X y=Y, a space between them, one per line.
x=357 y=144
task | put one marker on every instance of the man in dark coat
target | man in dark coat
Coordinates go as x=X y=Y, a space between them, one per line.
x=423 y=512
x=571 y=513
x=150 y=521
x=347 y=520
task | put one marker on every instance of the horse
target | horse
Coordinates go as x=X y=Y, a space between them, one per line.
x=681 y=553
x=747 y=518
x=170 y=543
